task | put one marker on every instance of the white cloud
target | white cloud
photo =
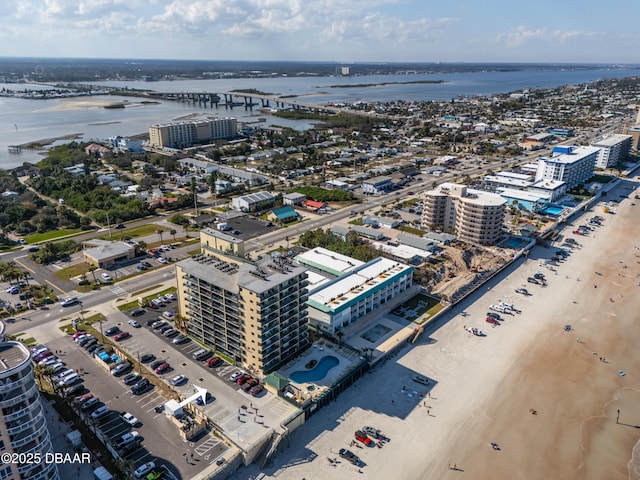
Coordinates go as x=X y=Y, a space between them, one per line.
x=521 y=35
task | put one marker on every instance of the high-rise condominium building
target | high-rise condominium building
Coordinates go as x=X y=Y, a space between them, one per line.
x=570 y=164
x=613 y=150
x=474 y=216
x=253 y=313
x=23 y=427
x=185 y=134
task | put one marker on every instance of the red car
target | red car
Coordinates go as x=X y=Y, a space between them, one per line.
x=362 y=437
x=121 y=336
x=214 y=362
x=492 y=321
x=578 y=232
x=163 y=367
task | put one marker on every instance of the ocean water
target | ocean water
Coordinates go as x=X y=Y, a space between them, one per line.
x=26 y=120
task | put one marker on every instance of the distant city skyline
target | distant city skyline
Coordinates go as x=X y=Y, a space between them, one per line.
x=323 y=30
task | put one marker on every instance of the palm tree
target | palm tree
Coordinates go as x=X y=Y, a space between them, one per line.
x=186 y=229
x=160 y=232
x=92 y=269
x=340 y=336
x=172 y=232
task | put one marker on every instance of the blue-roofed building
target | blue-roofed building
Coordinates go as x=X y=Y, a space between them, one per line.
x=284 y=214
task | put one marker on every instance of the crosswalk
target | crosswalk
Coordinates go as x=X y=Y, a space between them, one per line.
x=118 y=291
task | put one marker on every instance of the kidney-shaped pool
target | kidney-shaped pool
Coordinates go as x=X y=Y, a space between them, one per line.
x=316 y=373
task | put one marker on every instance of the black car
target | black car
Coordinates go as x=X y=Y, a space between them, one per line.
x=111 y=331
x=136 y=312
x=141 y=387
x=94 y=347
x=147 y=357
x=74 y=390
x=349 y=456
x=150 y=322
x=494 y=315
x=131 y=379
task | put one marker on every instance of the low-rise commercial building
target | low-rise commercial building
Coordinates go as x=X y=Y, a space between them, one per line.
x=253 y=202
x=103 y=253
x=349 y=297
x=377 y=185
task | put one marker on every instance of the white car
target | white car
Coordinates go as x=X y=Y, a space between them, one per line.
x=235 y=376
x=134 y=324
x=168 y=315
x=169 y=297
x=178 y=380
x=106 y=277
x=144 y=470
x=506 y=305
x=129 y=418
x=162 y=260
x=498 y=308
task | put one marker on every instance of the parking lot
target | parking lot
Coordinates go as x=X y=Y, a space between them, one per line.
x=161 y=441
x=249 y=227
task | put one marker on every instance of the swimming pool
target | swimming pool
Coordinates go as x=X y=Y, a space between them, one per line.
x=516 y=243
x=553 y=210
x=316 y=373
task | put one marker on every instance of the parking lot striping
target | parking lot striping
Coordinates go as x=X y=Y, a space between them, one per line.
x=203 y=448
x=118 y=291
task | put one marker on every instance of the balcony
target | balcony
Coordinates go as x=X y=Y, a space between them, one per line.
x=25 y=425
x=15 y=400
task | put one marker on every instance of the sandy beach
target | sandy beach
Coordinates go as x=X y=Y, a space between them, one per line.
x=586 y=413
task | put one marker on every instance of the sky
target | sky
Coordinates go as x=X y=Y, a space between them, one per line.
x=324 y=30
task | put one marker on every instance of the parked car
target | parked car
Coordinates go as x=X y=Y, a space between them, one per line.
x=121 y=336
x=202 y=354
x=178 y=380
x=168 y=315
x=89 y=404
x=181 y=339
x=132 y=379
x=372 y=432
x=134 y=323
x=13 y=290
x=169 y=297
x=106 y=277
x=492 y=321
x=236 y=375
x=494 y=315
x=129 y=418
x=243 y=378
x=170 y=333
x=214 y=362
x=90 y=343
x=126 y=438
x=532 y=280
x=256 y=389
x=84 y=398
x=159 y=324
x=349 y=456
x=141 y=387
x=75 y=389
x=147 y=358
x=162 y=368
x=363 y=438
x=136 y=312
x=147 y=264
x=162 y=260
x=143 y=470
x=121 y=369
x=498 y=308
x=421 y=379
x=100 y=412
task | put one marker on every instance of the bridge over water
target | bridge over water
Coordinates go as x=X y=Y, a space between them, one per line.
x=229 y=100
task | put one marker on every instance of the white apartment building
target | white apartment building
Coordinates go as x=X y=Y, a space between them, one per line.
x=474 y=216
x=613 y=150
x=23 y=427
x=573 y=165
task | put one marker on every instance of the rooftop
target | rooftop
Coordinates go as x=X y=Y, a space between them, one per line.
x=12 y=355
x=328 y=261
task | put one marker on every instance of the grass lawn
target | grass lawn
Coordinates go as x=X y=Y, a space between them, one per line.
x=412 y=230
x=140 y=231
x=72 y=271
x=43 y=237
x=418 y=306
x=134 y=303
x=357 y=221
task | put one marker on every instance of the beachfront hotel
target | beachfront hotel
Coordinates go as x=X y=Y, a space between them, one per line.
x=359 y=290
x=474 y=216
x=23 y=427
x=613 y=150
x=187 y=133
x=573 y=165
x=253 y=313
